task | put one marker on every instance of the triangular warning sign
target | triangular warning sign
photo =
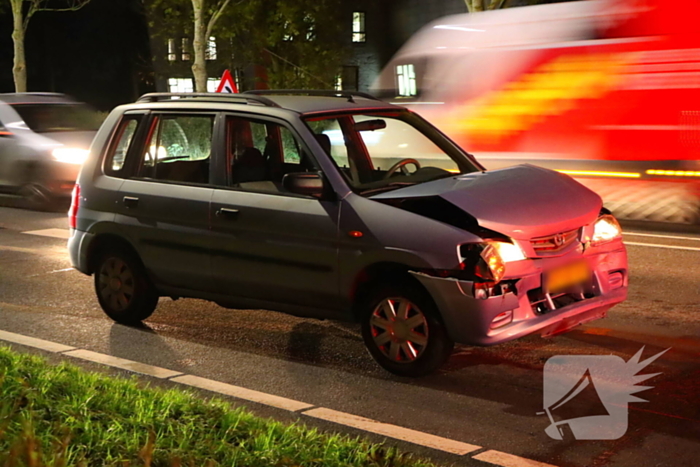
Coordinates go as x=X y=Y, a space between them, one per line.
x=227 y=83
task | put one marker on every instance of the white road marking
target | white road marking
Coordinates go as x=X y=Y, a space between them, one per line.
x=508 y=460
x=242 y=393
x=671 y=237
x=51 y=272
x=123 y=363
x=34 y=342
x=55 y=233
x=392 y=431
x=670 y=247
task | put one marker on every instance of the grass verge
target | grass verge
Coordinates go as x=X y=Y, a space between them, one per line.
x=60 y=415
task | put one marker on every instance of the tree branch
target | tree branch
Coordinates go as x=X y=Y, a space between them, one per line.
x=39 y=5
x=215 y=17
x=298 y=67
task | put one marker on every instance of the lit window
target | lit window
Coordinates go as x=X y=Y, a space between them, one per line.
x=406 y=77
x=358 y=26
x=287 y=37
x=180 y=85
x=338 y=82
x=212 y=84
x=172 y=53
x=185 y=49
x=210 y=53
x=310 y=28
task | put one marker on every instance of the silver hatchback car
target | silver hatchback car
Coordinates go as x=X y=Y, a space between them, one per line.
x=44 y=138
x=337 y=205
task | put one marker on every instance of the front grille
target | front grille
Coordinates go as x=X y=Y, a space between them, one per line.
x=553 y=244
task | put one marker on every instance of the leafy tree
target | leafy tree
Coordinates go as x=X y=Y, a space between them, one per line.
x=198 y=19
x=483 y=5
x=296 y=42
x=205 y=18
x=22 y=12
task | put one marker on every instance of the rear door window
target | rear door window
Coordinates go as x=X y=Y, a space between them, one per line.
x=178 y=149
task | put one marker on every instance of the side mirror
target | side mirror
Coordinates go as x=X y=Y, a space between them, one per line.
x=304 y=183
x=370 y=125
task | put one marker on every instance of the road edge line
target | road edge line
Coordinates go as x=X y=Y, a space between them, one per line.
x=35 y=342
x=123 y=363
x=392 y=431
x=239 y=392
x=508 y=460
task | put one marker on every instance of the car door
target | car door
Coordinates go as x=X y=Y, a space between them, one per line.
x=269 y=244
x=164 y=205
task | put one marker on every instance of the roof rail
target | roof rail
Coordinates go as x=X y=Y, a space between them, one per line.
x=206 y=97
x=314 y=92
x=33 y=94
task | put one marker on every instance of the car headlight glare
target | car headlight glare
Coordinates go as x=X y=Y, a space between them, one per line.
x=606 y=228
x=509 y=252
x=70 y=155
x=489 y=266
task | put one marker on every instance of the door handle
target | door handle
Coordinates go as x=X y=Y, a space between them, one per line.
x=131 y=202
x=227 y=213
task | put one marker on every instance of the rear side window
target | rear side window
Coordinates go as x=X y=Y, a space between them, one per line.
x=179 y=149
x=124 y=137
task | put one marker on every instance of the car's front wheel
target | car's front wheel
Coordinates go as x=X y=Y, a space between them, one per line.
x=403 y=331
x=123 y=289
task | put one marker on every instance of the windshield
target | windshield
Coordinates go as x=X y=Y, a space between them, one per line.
x=43 y=118
x=379 y=152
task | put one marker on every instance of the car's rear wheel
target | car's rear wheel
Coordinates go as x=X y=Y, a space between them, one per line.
x=123 y=289
x=36 y=196
x=403 y=331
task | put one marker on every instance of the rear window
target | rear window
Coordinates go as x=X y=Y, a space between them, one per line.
x=43 y=118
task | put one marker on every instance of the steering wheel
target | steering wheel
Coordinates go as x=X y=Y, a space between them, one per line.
x=401 y=165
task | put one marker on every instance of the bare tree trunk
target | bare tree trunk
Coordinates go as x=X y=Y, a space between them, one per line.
x=475 y=5
x=199 y=44
x=483 y=5
x=19 y=66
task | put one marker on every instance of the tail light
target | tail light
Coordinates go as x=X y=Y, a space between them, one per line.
x=74 y=204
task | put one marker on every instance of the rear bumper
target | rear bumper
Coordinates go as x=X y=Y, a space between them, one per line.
x=78 y=244
x=470 y=320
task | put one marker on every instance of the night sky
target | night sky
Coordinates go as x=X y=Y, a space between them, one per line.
x=99 y=54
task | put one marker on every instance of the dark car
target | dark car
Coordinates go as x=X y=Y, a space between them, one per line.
x=336 y=205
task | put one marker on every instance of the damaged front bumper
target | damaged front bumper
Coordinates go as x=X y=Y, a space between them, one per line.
x=524 y=307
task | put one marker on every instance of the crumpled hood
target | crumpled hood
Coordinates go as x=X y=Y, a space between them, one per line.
x=522 y=201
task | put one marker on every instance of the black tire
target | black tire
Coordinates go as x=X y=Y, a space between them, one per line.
x=425 y=359
x=123 y=289
x=36 y=197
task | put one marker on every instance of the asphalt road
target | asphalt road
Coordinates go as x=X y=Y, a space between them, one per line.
x=485 y=396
